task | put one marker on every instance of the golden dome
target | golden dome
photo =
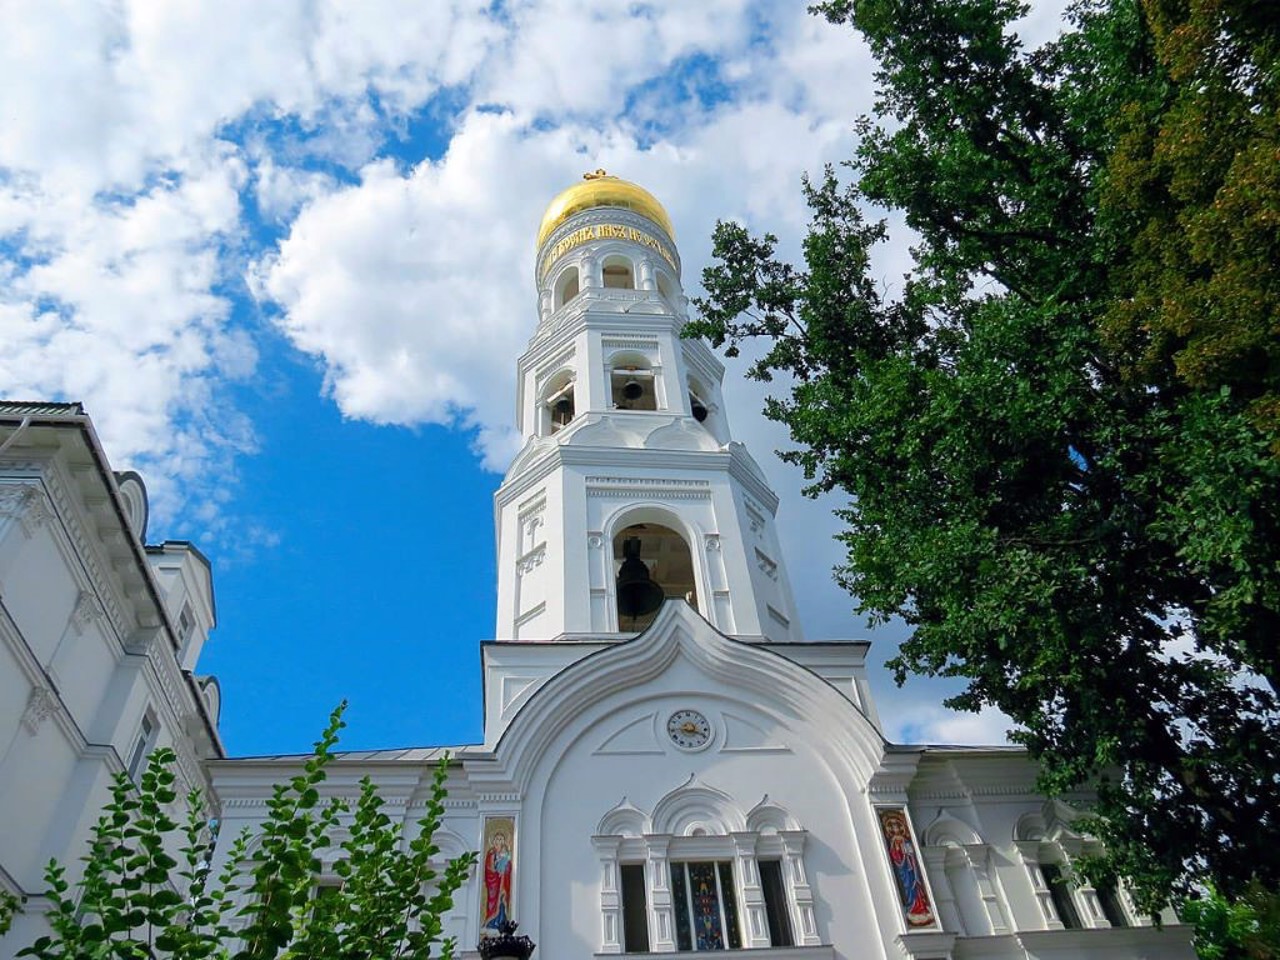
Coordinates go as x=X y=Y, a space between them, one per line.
x=599 y=189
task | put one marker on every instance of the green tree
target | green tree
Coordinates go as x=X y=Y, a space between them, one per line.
x=1246 y=929
x=1091 y=542
x=136 y=899
x=1193 y=192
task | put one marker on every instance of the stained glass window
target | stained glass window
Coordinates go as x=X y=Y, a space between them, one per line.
x=705 y=906
x=680 y=897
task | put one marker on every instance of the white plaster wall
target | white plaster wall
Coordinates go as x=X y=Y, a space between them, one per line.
x=562 y=865
x=71 y=692
x=39 y=590
x=513 y=672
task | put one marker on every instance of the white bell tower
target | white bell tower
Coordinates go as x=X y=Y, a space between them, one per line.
x=627 y=450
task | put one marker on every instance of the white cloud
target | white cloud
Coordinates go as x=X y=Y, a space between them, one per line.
x=136 y=134
x=103 y=94
x=117 y=310
x=406 y=285
x=393 y=280
x=566 y=58
x=416 y=289
x=281 y=191
x=121 y=204
x=930 y=723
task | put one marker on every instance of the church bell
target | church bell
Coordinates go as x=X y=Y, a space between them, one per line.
x=637 y=594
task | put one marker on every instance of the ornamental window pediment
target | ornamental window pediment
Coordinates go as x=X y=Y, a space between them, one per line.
x=697 y=874
x=1047 y=846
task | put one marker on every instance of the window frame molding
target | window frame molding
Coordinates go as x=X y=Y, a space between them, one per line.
x=1059 y=846
x=143 y=744
x=701 y=829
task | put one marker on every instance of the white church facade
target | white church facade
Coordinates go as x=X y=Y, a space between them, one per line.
x=668 y=765
x=100 y=634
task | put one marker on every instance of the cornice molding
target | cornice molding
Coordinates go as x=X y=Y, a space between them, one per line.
x=650 y=488
x=626 y=460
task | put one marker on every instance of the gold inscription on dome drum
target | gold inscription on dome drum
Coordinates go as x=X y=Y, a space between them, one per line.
x=605 y=231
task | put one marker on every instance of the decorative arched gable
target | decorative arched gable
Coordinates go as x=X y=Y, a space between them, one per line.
x=773 y=683
x=946 y=830
x=767 y=817
x=624 y=820
x=695 y=809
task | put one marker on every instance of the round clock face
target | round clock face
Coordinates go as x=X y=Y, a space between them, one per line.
x=688 y=729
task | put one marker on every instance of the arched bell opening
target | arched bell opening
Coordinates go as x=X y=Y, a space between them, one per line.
x=557 y=408
x=698 y=405
x=704 y=409
x=567 y=287
x=632 y=384
x=618 y=273
x=651 y=563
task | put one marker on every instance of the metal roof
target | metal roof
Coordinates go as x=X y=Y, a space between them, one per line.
x=395 y=754
x=40 y=408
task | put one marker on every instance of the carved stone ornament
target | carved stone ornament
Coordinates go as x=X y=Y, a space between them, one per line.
x=88 y=608
x=40 y=706
x=532 y=560
x=25 y=502
x=713 y=542
x=768 y=565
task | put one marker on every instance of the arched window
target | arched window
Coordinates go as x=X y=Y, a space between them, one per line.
x=567 y=287
x=557 y=406
x=651 y=563
x=632 y=384
x=618 y=273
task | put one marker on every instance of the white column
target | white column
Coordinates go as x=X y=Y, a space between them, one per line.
x=610 y=898
x=799 y=889
x=645 y=278
x=1029 y=850
x=935 y=862
x=662 y=932
x=980 y=862
x=752 y=900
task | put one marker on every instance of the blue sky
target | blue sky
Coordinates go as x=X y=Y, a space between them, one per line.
x=283 y=253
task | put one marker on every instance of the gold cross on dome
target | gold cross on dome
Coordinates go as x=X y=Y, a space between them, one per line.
x=599 y=174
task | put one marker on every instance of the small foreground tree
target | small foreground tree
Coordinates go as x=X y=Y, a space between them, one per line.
x=136 y=900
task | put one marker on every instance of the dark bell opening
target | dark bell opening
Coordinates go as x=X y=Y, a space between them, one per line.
x=638 y=595
x=699 y=411
x=632 y=390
